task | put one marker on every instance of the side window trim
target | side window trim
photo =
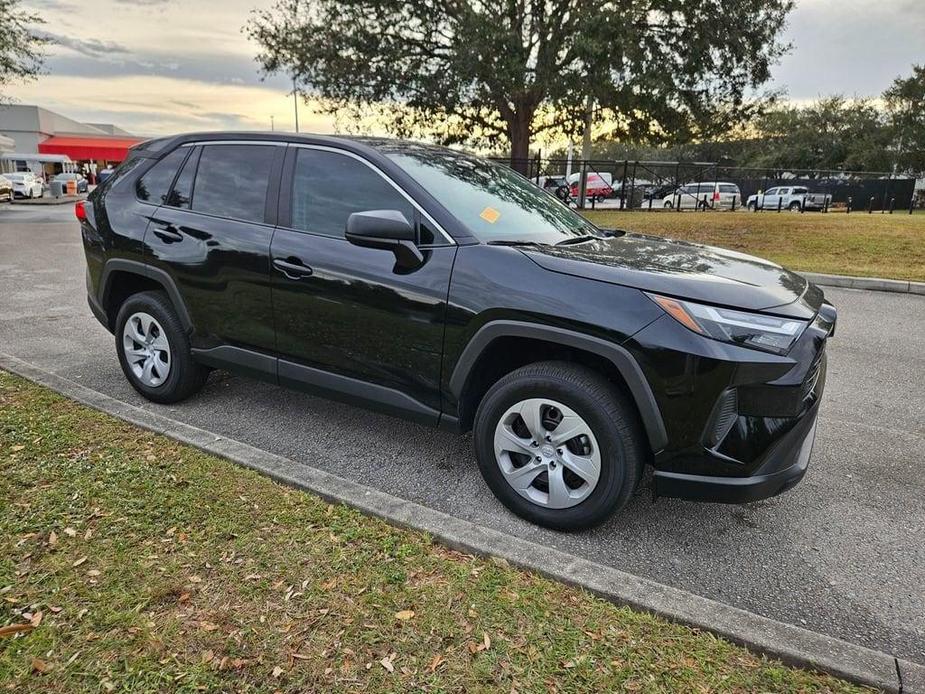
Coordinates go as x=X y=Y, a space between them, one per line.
x=285 y=195
x=195 y=151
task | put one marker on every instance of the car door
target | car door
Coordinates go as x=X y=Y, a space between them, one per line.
x=211 y=234
x=350 y=322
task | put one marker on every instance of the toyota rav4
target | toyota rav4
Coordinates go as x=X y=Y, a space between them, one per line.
x=433 y=285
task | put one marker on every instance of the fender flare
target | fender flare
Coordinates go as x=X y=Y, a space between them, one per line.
x=144 y=270
x=620 y=357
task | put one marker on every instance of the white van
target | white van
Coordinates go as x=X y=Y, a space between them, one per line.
x=711 y=195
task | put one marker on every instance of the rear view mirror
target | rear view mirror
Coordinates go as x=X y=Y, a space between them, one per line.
x=387 y=230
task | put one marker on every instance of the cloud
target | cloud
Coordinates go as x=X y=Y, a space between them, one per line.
x=93 y=48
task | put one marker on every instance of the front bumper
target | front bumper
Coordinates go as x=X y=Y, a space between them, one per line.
x=783 y=468
x=740 y=424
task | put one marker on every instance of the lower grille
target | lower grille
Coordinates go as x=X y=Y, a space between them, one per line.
x=808 y=389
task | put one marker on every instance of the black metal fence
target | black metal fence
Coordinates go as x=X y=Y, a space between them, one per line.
x=651 y=185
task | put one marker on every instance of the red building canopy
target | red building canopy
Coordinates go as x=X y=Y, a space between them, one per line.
x=95 y=148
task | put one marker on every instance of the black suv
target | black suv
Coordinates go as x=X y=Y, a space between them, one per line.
x=434 y=285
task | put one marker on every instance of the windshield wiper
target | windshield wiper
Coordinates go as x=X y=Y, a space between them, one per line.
x=577 y=239
x=515 y=242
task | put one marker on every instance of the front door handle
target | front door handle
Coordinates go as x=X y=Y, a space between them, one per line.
x=166 y=232
x=293 y=268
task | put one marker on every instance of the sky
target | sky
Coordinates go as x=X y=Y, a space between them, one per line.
x=161 y=66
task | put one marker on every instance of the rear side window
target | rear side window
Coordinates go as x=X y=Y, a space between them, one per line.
x=182 y=193
x=329 y=187
x=155 y=182
x=232 y=181
x=728 y=188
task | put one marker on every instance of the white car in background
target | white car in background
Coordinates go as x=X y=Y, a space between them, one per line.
x=711 y=195
x=26 y=185
x=793 y=198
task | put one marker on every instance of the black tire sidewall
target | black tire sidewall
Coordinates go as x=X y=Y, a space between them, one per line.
x=610 y=493
x=184 y=377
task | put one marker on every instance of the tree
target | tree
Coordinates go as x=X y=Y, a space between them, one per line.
x=831 y=134
x=21 y=55
x=510 y=69
x=905 y=104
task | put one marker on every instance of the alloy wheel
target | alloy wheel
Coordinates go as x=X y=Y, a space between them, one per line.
x=146 y=348
x=547 y=453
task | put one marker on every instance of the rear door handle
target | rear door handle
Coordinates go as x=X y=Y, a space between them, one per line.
x=166 y=231
x=293 y=268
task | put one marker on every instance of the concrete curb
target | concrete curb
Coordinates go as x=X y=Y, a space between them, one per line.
x=791 y=644
x=873 y=283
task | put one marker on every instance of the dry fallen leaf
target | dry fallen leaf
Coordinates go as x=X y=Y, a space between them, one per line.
x=404 y=615
x=93 y=572
x=52 y=538
x=195 y=579
x=70 y=532
x=11 y=629
x=79 y=562
x=18 y=447
x=436 y=662
x=486 y=642
x=40 y=665
x=277 y=671
x=387 y=664
x=36 y=619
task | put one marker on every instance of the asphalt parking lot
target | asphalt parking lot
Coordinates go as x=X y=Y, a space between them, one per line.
x=842 y=554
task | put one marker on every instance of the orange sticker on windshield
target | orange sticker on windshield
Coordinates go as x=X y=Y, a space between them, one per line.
x=490 y=215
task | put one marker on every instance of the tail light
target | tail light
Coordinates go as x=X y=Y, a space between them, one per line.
x=716 y=195
x=80 y=211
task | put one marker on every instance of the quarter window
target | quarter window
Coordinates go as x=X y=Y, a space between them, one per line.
x=155 y=182
x=232 y=181
x=182 y=193
x=328 y=187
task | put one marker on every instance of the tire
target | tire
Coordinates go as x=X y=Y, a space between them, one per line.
x=172 y=379
x=668 y=205
x=615 y=439
x=794 y=207
x=751 y=206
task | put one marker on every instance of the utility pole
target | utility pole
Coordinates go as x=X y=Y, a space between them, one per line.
x=585 y=153
x=295 y=101
x=272 y=126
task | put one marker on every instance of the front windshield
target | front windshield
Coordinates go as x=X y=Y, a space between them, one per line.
x=492 y=201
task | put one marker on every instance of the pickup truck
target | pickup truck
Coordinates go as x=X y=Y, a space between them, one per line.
x=793 y=198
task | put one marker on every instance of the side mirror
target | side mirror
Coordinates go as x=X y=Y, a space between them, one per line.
x=387 y=230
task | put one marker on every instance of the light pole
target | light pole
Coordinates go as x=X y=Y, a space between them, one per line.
x=295 y=102
x=272 y=127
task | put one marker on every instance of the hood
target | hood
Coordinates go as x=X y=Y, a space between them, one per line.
x=685 y=270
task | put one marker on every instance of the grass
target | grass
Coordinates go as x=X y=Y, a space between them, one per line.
x=876 y=245
x=141 y=564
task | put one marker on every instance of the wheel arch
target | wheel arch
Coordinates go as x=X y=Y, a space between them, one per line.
x=551 y=342
x=122 y=277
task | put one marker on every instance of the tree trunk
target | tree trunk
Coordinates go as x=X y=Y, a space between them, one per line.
x=519 y=131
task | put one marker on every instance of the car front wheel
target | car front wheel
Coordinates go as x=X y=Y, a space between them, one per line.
x=154 y=350
x=558 y=445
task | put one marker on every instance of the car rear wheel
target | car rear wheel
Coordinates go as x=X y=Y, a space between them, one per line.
x=154 y=350
x=558 y=445
x=795 y=207
x=668 y=205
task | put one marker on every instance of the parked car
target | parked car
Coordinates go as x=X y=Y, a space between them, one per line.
x=793 y=198
x=599 y=186
x=6 y=189
x=82 y=184
x=26 y=185
x=700 y=196
x=557 y=185
x=104 y=174
x=451 y=291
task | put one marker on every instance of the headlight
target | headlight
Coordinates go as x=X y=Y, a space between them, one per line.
x=756 y=330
